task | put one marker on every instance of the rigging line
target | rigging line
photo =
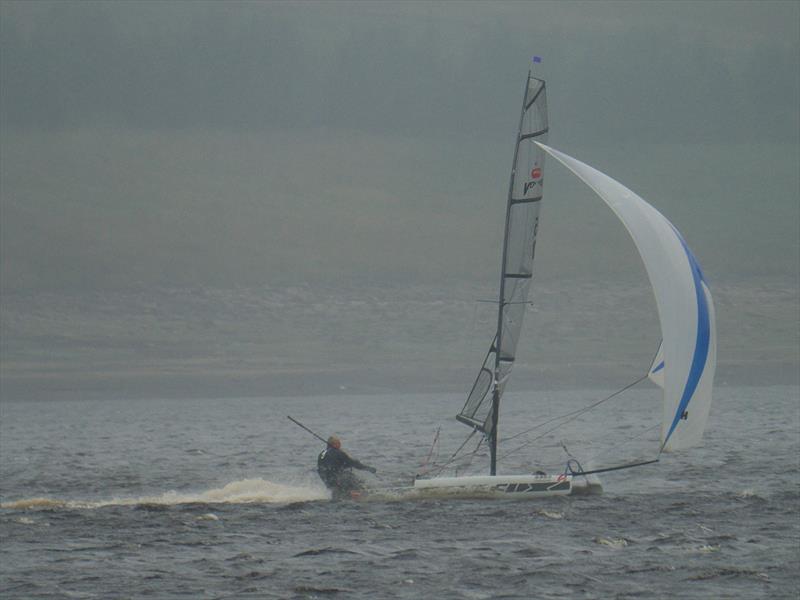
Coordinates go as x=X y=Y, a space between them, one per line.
x=469 y=335
x=573 y=415
x=538 y=437
x=433 y=445
x=652 y=360
x=453 y=457
x=469 y=457
x=578 y=411
x=628 y=441
x=607 y=469
x=460 y=459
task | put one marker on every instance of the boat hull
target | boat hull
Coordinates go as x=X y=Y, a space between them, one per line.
x=501 y=486
x=510 y=487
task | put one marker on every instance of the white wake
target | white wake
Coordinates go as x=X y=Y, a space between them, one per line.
x=247 y=491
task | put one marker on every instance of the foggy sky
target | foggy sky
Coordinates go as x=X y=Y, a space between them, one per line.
x=220 y=144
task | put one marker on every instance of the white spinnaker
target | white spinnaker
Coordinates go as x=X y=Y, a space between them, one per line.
x=685 y=306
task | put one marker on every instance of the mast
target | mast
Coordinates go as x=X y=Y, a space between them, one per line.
x=501 y=300
x=482 y=407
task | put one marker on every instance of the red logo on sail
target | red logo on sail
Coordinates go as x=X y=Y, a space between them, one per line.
x=536 y=173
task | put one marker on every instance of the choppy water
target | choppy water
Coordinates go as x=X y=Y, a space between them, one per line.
x=218 y=499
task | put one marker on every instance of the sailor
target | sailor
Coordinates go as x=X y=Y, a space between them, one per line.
x=334 y=468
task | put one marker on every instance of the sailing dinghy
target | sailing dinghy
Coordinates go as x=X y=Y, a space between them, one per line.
x=686 y=360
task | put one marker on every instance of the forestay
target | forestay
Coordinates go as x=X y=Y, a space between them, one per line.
x=685 y=363
x=522 y=218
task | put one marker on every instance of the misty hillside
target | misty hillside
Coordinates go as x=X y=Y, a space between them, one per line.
x=305 y=339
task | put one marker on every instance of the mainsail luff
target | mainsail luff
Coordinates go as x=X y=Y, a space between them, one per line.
x=501 y=298
x=519 y=239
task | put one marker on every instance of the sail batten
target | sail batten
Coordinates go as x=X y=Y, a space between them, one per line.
x=527 y=136
x=525 y=200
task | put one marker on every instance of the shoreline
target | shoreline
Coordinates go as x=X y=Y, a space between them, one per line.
x=347 y=380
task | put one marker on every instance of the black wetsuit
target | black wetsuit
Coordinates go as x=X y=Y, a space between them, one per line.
x=333 y=466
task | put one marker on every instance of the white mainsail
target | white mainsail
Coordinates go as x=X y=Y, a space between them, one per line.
x=519 y=243
x=685 y=307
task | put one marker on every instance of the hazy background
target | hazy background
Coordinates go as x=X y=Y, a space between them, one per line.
x=258 y=198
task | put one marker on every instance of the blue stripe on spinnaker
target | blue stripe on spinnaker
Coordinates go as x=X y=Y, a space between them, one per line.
x=658 y=368
x=702 y=340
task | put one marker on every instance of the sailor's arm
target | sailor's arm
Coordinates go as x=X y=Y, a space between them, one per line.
x=357 y=464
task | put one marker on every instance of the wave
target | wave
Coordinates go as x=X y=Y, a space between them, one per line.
x=247 y=491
